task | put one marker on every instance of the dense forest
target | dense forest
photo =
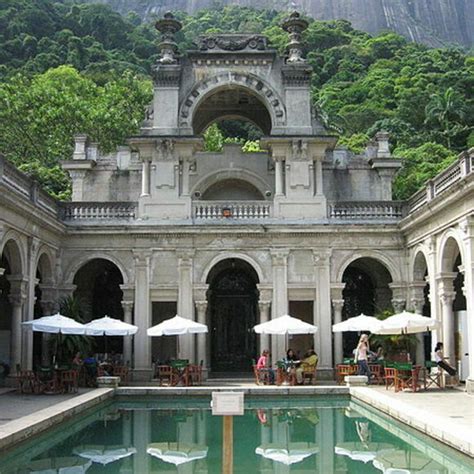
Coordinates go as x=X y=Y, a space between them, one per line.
x=67 y=68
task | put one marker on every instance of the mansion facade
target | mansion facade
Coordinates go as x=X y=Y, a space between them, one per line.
x=232 y=239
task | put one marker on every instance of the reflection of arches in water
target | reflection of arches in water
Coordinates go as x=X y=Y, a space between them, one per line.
x=233 y=299
x=366 y=291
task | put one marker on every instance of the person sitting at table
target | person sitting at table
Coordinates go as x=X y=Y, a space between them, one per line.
x=290 y=360
x=263 y=364
x=77 y=361
x=441 y=361
x=308 y=364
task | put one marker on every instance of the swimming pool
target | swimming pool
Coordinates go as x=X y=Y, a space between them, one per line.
x=275 y=435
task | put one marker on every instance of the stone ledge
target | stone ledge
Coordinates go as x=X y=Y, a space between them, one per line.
x=356 y=380
x=108 y=382
x=19 y=430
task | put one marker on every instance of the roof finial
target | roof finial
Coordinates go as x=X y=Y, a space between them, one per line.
x=168 y=27
x=295 y=25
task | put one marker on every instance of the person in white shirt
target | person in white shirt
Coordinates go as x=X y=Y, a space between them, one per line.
x=441 y=361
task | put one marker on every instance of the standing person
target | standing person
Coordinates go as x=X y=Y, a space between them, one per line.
x=263 y=364
x=361 y=356
x=441 y=361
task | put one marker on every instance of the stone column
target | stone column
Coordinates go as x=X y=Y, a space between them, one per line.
x=185 y=301
x=17 y=297
x=127 y=340
x=337 y=306
x=322 y=310
x=264 y=308
x=145 y=177
x=142 y=353
x=280 y=296
x=468 y=229
x=201 y=307
x=447 y=295
x=417 y=304
x=278 y=177
x=319 y=176
x=48 y=308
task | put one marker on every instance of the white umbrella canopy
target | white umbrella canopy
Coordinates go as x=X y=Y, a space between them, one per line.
x=407 y=323
x=104 y=454
x=177 y=326
x=287 y=454
x=285 y=325
x=107 y=326
x=358 y=324
x=364 y=452
x=177 y=453
x=407 y=462
x=55 y=324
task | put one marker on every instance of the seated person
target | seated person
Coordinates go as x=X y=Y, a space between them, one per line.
x=309 y=363
x=291 y=359
x=441 y=361
x=77 y=361
x=263 y=364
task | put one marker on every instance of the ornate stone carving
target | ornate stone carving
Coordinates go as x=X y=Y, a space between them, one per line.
x=321 y=258
x=337 y=305
x=232 y=42
x=299 y=150
x=168 y=27
x=279 y=257
x=165 y=149
x=398 y=304
x=295 y=25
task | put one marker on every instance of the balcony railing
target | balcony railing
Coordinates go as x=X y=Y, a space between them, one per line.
x=366 y=210
x=232 y=210
x=83 y=211
x=461 y=168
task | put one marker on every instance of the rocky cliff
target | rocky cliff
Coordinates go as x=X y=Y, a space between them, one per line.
x=433 y=22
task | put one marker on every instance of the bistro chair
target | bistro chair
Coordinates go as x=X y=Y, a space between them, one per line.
x=262 y=376
x=166 y=375
x=309 y=375
x=390 y=375
x=69 y=381
x=408 y=377
x=433 y=375
x=122 y=372
x=376 y=373
x=193 y=375
x=344 y=369
x=285 y=374
x=27 y=382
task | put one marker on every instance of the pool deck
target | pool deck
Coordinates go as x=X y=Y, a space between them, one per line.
x=446 y=415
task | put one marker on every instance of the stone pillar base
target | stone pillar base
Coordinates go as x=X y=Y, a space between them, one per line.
x=470 y=386
x=325 y=374
x=356 y=380
x=142 y=375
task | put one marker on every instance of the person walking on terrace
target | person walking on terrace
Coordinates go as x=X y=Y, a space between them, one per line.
x=362 y=356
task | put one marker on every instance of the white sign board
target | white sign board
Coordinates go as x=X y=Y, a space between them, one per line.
x=227 y=403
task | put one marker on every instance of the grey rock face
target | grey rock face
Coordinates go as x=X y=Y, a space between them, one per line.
x=433 y=22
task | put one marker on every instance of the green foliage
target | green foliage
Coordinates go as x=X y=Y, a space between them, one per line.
x=361 y=84
x=356 y=143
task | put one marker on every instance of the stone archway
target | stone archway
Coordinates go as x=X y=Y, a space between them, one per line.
x=366 y=291
x=232 y=313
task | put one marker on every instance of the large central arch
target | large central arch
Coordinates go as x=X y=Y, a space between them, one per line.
x=233 y=311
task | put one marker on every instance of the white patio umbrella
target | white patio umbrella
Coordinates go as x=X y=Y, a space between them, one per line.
x=177 y=326
x=287 y=454
x=364 y=452
x=107 y=326
x=177 y=453
x=409 y=462
x=285 y=325
x=358 y=324
x=55 y=324
x=104 y=454
x=407 y=323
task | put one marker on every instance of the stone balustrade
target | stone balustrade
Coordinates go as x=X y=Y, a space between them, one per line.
x=461 y=168
x=81 y=211
x=232 y=210
x=366 y=210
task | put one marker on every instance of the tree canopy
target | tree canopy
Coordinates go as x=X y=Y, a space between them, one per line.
x=67 y=67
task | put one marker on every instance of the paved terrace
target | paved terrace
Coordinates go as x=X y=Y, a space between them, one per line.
x=446 y=415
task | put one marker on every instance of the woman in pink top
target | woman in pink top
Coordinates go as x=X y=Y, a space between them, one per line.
x=262 y=364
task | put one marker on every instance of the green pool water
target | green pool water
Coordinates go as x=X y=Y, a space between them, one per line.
x=273 y=436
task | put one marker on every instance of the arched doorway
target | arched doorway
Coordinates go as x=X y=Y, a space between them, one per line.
x=233 y=309
x=366 y=291
x=98 y=289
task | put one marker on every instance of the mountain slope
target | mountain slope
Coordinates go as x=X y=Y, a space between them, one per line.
x=432 y=22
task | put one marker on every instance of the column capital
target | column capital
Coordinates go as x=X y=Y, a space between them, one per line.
x=185 y=257
x=264 y=305
x=128 y=292
x=321 y=258
x=398 y=304
x=127 y=305
x=445 y=276
x=336 y=290
x=337 y=304
x=201 y=305
x=447 y=297
x=279 y=256
x=142 y=257
x=417 y=304
x=17 y=298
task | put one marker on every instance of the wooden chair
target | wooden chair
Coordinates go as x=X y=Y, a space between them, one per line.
x=27 y=382
x=432 y=375
x=344 y=369
x=309 y=375
x=166 y=375
x=409 y=378
x=262 y=376
x=376 y=373
x=391 y=378
x=69 y=381
x=193 y=375
x=122 y=372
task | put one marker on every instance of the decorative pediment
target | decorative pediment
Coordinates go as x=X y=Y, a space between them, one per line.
x=232 y=42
